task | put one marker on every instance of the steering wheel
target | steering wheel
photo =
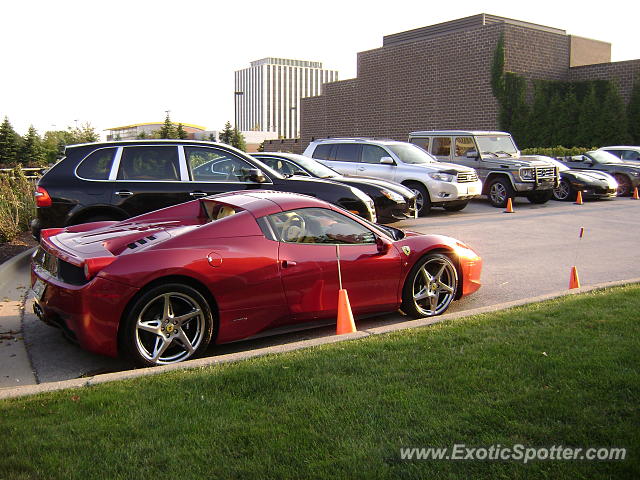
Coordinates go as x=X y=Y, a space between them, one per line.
x=294 y=229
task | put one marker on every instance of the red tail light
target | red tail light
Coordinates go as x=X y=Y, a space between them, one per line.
x=92 y=266
x=42 y=197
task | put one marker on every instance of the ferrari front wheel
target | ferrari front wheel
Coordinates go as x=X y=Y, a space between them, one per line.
x=167 y=324
x=430 y=287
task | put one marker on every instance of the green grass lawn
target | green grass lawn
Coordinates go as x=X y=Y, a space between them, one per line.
x=565 y=372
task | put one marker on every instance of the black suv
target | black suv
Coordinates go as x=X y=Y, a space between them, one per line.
x=118 y=180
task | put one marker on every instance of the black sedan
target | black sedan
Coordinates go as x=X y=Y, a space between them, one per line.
x=393 y=201
x=626 y=173
x=593 y=184
x=122 y=179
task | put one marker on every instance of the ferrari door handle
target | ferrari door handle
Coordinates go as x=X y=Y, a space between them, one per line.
x=198 y=194
x=288 y=263
x=124 y=193
x=361 y=169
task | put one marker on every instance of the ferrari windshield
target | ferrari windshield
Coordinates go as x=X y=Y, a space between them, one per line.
x=496 y=144
x=411 y=154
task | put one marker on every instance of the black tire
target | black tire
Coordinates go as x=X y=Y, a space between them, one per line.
x=540 y=197
x=149 y=321
x=500 y=191
x=423 y=200
x=429 y=295
x=564 y=192
x=455 y=206
x=624 y=185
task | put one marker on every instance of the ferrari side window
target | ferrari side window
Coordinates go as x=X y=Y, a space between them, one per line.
x=318 y=226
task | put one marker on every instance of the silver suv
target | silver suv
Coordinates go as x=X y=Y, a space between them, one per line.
x=504 y=172
x=435 y=184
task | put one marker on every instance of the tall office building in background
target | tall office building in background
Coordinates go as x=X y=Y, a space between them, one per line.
x=267 y=94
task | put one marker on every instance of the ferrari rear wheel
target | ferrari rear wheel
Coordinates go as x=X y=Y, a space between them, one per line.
x=168 y=324
x=430 y=287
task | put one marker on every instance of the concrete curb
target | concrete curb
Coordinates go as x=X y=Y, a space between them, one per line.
x=14 y=392
x=10 y=268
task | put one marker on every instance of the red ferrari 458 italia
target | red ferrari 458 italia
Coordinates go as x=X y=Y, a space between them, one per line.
x=160 y=287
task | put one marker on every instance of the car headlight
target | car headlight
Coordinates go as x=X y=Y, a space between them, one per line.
x=442 y=177
x=366 y=199
x=391 y=195
x=526 y=173
x=635 y=174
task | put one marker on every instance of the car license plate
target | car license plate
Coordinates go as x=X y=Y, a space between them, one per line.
x=38 y=288
x=473 y=190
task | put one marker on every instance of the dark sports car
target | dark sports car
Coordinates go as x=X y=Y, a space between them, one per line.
x=592 y=184
x=158 y=288
x=393 y=201
x=626 y=173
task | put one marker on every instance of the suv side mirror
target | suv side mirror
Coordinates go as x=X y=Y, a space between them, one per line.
x=387 y=161
x=472 y=154
x=254 y=175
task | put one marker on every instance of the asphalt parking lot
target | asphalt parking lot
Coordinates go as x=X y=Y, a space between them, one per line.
x=526 y=253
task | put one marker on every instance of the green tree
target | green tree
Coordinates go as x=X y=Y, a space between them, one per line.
x=180 y=132
x=9 y=144
x=587 y=133
x=226 y=136
x=142 y=135
x=539 y=131
x=633 y=114
x=32 y=152
x=567 y=119
x=514 y=111
x=612 y=124
x=237 y=140
x=83 y=134
x=168 y=129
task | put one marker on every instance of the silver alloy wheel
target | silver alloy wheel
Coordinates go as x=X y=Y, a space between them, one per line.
x=434 y=285
x=169 y=328
x=563 y=191
x=498 y=193
x=419 y=199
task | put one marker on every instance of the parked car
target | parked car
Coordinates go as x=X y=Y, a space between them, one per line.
x=435 y=184
x=158 y=288
x=393 y=201
x=626 y=173
x=628 y=153
x=593 y=184
x=118 y=180
x=504 y=172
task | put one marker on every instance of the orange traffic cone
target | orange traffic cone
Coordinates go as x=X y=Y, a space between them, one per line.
x=579 y=198
x=345 y=322
x=635 y=194
x=574 y=280
x=509 y=206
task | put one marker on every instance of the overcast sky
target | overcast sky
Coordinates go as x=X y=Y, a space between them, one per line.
x=118 y=62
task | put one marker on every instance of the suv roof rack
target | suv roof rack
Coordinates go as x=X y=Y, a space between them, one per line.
x=360 y=139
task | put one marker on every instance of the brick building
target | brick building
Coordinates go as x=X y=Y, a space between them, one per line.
x=439 y=77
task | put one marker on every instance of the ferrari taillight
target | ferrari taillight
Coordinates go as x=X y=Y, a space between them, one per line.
x=42 y=197
x=92 y=266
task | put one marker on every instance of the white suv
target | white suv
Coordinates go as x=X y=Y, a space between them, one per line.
x=436 y=184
